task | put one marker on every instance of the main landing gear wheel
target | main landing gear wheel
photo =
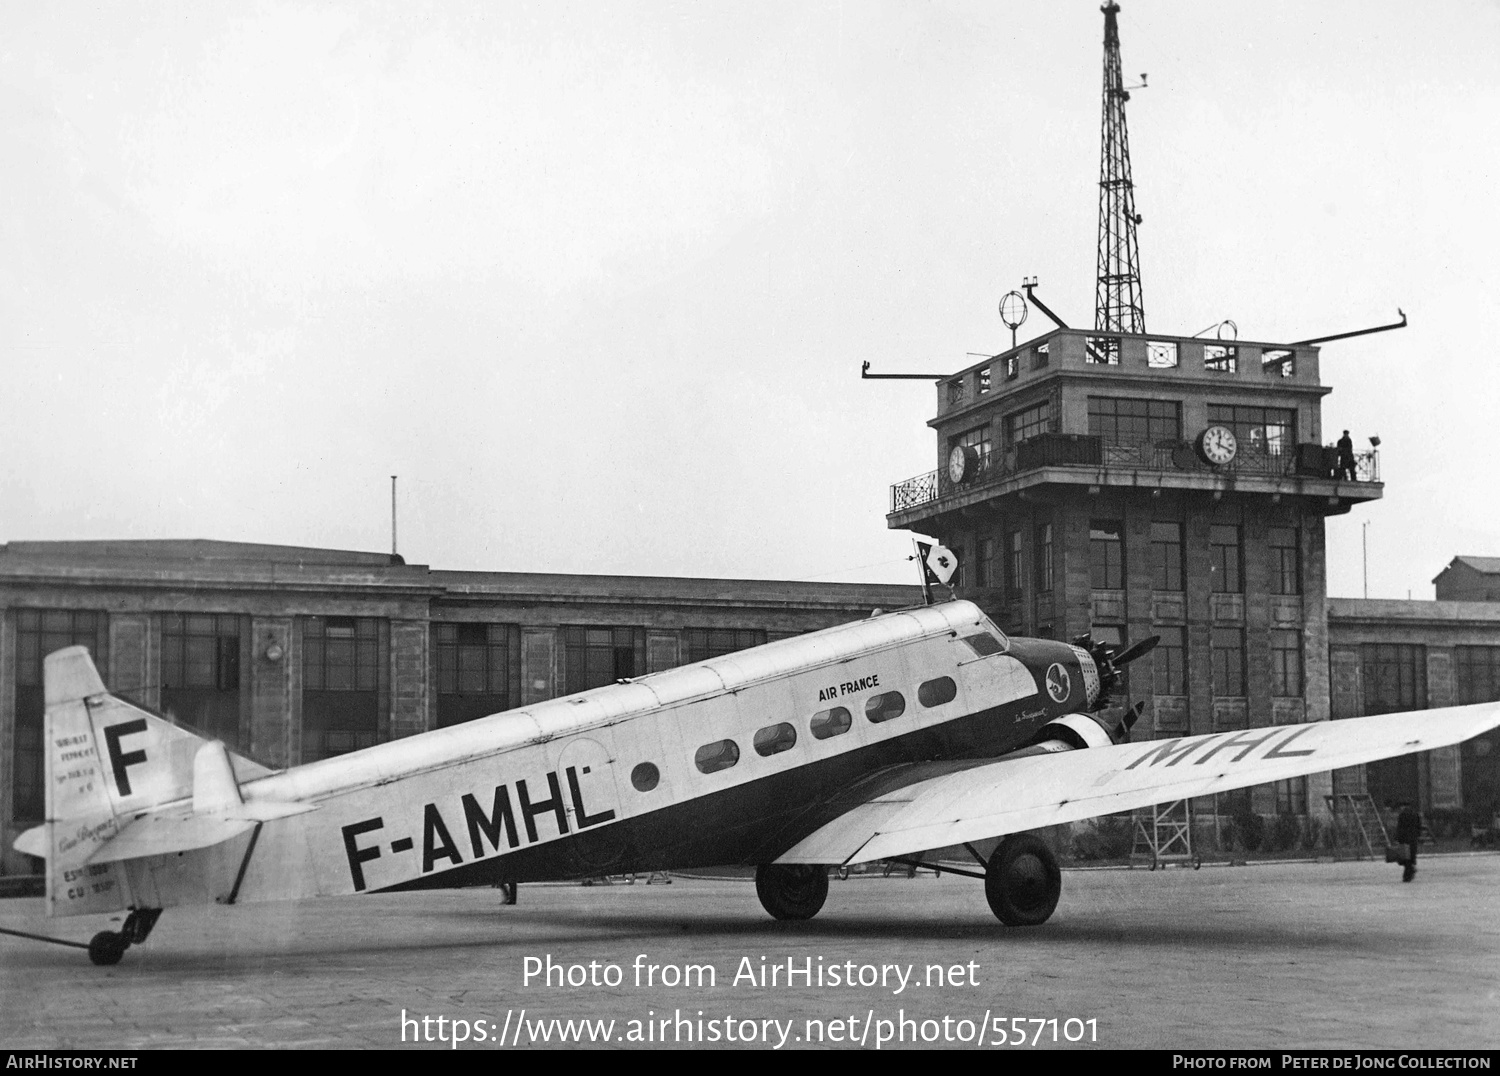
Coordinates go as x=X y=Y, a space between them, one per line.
x=1022 y=881
x=791 y=890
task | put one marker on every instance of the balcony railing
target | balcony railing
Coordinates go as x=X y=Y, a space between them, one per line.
x=1095 y=453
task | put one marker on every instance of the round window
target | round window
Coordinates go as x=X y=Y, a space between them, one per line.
x=645 y=777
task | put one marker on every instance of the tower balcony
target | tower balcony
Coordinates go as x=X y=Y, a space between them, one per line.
x=1305 y=470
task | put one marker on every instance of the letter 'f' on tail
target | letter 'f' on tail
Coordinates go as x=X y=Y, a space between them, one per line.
x=111 y=768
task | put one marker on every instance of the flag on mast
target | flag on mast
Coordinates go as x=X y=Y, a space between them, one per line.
x=938 y=563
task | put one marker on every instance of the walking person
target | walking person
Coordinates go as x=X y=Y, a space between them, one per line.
x=1409 y=833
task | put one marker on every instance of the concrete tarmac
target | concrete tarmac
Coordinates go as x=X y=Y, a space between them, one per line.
x=1267 y=957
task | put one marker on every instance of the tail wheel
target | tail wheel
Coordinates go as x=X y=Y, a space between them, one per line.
x=107 y=948
x=1022 y=881
x=791 y=890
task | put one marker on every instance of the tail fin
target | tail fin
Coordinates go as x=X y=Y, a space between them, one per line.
x=107 y=763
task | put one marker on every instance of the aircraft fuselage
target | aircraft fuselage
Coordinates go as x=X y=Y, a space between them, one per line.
x=729 y=761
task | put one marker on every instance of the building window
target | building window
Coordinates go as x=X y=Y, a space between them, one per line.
x=1169 y=661
x=1477 y=673
x=1257 y=429
x=1278 y=362
x=39 y=633
x=1286 y=564
x=960 y=577
x=1102 y=350
x=1106 y=554
x=1166 y=556
x=1040 y=356
x=989 y=563
x=1286 y=663
x=1015 y=564
x=955 y=392
x=1221 y=358
x=705 y=643
x=1123 y=421
x=1135 y=421
x=1228 y=653
x=984 y=380
x=200 y=672
x=1291 y=796
x=1224 y=559
x=1161 y=355
x=1044 y=557
x=478 y=670
x=1394 y=676
x=594 y=657
x=1013 y=367
x=979 y=440
x=341 y=681
x=1026 y=424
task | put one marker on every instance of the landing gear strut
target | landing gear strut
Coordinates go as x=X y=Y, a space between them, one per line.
x=107 y=947
x=1022 y=881
x=791 y=890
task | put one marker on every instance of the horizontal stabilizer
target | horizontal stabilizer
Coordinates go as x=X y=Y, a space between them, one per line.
x=182 y=830
x=33 y=842
x=163 y=834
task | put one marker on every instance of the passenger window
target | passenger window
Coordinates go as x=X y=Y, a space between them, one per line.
x=885 y=706
x=716 y=756
x=645 y=777
x=936 y=692
x=984 y=644
x=826 y=723
x=774 y=739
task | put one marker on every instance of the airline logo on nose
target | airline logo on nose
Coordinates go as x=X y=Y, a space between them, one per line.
x=1059 y=684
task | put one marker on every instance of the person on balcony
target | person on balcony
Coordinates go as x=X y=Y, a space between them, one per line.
x=1346 y=457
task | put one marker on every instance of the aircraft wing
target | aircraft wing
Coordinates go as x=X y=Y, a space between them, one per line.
x=973 y=802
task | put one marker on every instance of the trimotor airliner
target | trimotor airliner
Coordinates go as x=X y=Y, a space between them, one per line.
x=881 y=739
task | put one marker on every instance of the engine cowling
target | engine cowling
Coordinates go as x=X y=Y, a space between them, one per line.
x=1075 y=732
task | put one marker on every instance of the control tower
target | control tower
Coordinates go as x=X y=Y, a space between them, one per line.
x=1127 y=485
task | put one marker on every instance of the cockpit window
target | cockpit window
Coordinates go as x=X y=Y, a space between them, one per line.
x=984 y=644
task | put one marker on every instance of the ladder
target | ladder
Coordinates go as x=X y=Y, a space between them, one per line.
x=1355 y=815
x=1164 y=833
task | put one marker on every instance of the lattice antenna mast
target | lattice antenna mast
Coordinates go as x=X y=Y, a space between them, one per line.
x=1117 y=306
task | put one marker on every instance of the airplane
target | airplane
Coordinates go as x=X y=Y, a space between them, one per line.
x=881 y=739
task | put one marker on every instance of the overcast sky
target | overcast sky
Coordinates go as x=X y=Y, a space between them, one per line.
x=596 y=280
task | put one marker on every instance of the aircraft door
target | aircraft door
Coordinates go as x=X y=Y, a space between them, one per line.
x=591 y=789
